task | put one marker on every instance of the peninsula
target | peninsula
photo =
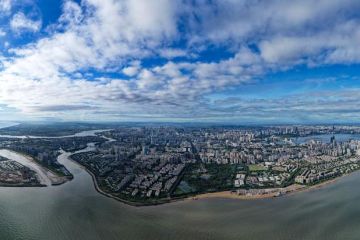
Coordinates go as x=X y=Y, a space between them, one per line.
x=147 y=165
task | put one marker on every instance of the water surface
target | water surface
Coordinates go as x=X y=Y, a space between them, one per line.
x=7 y=124
x=325 y=138
x=75 y=211
x=88 y=133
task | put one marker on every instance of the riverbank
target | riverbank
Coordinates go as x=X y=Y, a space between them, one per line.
x=100 y=191
x=54 y=178
x=231 y=194
x=21 y=185
x=45 y=175
x=241 y=194
x=87 y=133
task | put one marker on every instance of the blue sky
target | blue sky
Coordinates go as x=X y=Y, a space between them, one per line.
x=242 y=61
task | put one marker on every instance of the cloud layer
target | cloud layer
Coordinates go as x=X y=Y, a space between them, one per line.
x=163 y=59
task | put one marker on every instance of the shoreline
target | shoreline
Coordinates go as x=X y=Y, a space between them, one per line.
x=266 y=193
x=240 y=194
x=229 y=194
x=291 y=189
x=128 y=203
x=54 y=179
x=98 y=189
x=21 y=186
x=84 y=133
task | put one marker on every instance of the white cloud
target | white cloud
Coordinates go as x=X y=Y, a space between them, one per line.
x=104 y=37
x=20 y=23
x=284 y=31
x=155 y=18
x=171 y=53
x=72 y=13
x=133 y=69
x=5 y=6
x=2 y=33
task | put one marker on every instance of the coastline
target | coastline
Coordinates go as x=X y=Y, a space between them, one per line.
x=230 y=194
x=292 y=189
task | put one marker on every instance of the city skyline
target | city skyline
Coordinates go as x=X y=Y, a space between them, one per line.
x=180 y=61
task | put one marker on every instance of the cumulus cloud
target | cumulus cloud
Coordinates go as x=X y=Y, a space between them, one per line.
x=284 y=31
x=150 y=58
x=20 y=23
x=72 y=13
x=133 y=69
x=171 y=53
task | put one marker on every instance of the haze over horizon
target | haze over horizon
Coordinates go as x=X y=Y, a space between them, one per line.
x=178 y=61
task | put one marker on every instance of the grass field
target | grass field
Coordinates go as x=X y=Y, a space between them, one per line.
x=257 y=167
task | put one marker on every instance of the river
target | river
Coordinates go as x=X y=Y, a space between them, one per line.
x=88 y=133
x=7 y=124
x=28 y=162
x=75 y=211
x=325 y=138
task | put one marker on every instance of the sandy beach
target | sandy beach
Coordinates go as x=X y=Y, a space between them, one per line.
x=46 y=176
x=53 y=177
x=267 y=193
